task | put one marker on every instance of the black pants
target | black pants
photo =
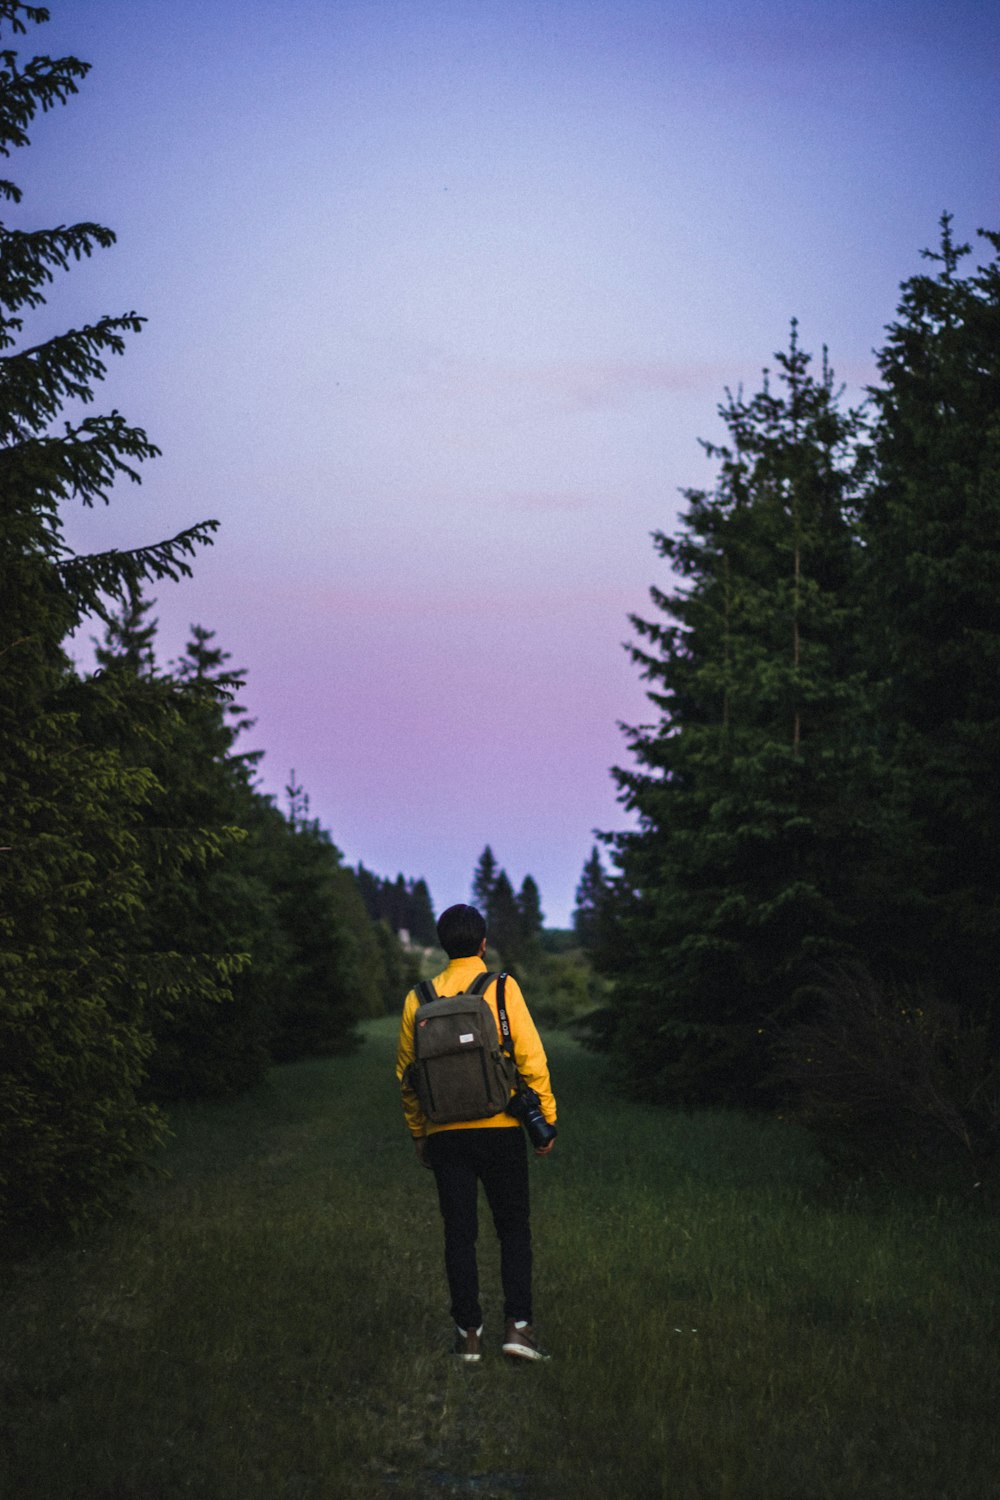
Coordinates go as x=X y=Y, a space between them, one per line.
x=498 y=1158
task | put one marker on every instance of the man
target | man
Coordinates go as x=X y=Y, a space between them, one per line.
x=492 y=1151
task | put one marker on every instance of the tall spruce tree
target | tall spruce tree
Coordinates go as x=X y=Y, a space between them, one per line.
x=591 y=897
x=931 y=523
x=529 y=906
x=335 y=972
x=750 y=785
x=503 y=921
x=209 y=919
x=423 y=929
x=484 y=880
x=74 y=1038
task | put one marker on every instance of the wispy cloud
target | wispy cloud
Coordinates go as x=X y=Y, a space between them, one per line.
x=570 y=385
x=598 y=385
x=513 y=392
x=593 y=385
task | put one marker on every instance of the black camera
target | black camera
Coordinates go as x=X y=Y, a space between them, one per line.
x=525 y=1107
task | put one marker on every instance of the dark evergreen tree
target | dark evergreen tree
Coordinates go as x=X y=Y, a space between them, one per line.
x=74 y=1039
x=209 y=915
x=529 y=906
x=503 y=922
x=422 y=925
x=931 y=524
x=335 y=973
x=754 y=788
x=129 y=638
x=213 y=916
x=484 y=881
x=403 y=905
x=591 y=898
x=370 y=891
x=399 y=905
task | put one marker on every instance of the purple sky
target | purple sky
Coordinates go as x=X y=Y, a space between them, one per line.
x=441 y=294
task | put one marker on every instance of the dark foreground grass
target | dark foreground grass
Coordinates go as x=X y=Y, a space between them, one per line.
x=271 y=1323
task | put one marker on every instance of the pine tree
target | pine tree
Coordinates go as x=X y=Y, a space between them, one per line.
x=370 y=890
x=591 y=897
x=398 y=897
x=484 y=881
x=931 y=522
x=749 y=792
x=423 y=928
x=400 y=905
x=74 y=1040
x=210 y=919
x=334 y=973
x=529 y=906
x=503 y=922
x=129 y=638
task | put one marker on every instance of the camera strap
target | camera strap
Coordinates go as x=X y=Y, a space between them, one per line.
x=506 y=1041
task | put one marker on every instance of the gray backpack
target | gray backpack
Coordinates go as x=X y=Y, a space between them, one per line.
x=462 y=1070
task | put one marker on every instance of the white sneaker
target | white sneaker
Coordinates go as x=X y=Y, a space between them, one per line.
x=468 y=1345
x=519 y=1341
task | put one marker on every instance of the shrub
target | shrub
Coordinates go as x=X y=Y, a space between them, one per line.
x=892 y=1079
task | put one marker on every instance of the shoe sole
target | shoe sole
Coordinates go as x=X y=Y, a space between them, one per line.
x=521 y=1351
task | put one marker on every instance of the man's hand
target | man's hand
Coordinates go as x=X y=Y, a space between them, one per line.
x=420 y=1147
x=544 y=1150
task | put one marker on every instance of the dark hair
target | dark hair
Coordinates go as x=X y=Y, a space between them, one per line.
x=461 y=930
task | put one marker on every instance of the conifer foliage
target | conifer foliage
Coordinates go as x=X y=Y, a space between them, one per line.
x=735 y=869
x=591 y=900
x=74 y=1031
x=931 y=524
x=817 y=791
x=514 y=920
x=164 y=929
x=403 y=905
x=201 y=922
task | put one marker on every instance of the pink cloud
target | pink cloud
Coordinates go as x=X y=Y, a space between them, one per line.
x=590 y=385
x=578 y=384
x=594 y=385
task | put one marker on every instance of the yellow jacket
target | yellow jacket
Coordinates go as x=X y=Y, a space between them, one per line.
x=529 y=1054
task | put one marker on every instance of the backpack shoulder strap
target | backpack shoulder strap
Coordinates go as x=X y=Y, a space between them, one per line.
x=481 y=984
x=425 y=992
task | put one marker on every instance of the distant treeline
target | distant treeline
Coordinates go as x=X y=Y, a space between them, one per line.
x=514 y=920
x=808 y=910
x=403 y=905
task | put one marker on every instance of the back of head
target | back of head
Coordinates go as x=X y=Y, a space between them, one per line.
x=461 y=930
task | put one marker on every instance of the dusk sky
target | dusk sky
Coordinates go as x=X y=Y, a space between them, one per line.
x=441 y=295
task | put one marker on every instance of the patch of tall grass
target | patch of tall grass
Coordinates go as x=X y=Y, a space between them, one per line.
x=272 y=1320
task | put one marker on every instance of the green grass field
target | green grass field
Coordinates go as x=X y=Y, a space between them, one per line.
x=271 y=1323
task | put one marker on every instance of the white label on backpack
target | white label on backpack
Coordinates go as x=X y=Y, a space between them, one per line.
x=468 y=1037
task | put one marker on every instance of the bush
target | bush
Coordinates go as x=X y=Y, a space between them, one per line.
x=893 y=1080
x=562 y=987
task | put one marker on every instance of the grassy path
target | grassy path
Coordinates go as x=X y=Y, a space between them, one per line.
x=271 y=1323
